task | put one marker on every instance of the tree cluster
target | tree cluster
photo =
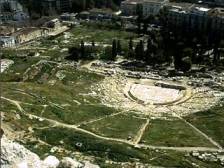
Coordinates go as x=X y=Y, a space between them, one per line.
x=111 y=53
x=82 y=52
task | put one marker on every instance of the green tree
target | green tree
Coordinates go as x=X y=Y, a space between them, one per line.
x=188 y=52
x=178 y=54
x=131 y=53
x=6 y=7
x=119 y=48
x=149 y=51
x=163 y=17
x=130 y=45
x=145 y=27
x=186 y=64
x=82 y=49
x=93 y=43
x=74 y=54
x=114 y=49
x=139 y=51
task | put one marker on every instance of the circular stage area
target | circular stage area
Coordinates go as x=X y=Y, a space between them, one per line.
x=155 y=94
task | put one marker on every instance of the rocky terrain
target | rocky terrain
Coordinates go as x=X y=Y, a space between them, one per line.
x=14 y=155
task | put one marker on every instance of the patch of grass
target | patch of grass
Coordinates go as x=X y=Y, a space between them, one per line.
x=119 y=126
x=23 y=122
x=84 y=76
x=78 y=114
x=71 y=103
x=9 y=90
x=41 y=73
x=60 y=93
x=32 y=109
x=109 y=150
x=39 y=149
x=7 y=107
x=15 y=71
x=173 y=133
x=90 y=33
x=210 y=122
x=54 y=54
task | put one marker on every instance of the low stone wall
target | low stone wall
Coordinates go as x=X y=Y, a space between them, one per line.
x=170 y=86
x=181 y=89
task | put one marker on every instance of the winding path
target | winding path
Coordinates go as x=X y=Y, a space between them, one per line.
x=75 y=127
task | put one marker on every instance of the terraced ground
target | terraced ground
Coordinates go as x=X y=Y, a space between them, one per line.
x=48 y=103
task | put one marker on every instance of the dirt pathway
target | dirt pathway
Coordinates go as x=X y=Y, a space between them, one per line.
x=203 y=134
x=98 y=119
x=63 y=125
x=16 y=103
x=139 y=135
x=199 y=131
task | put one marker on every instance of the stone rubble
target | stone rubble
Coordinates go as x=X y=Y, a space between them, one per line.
x=14 y=155
x=209 y=157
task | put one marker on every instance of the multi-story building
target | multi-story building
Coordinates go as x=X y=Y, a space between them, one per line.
x=146 y=7
x=178 y=13
x=217 y=20
x=11 y=5
x=7 y=41
x=6 y=30
x=188 y=16
x=214 y=2
x=129 y=7
x=219 y=2
x=49 y=6
x=6 y=16
x=27 y=34
x=64 y=5
x=11 y=10
x=153 y=7
x=54 y=6
x=192 y=17
x=199 y=18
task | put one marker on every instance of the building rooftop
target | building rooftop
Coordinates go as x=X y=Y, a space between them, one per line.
x=6 y=30
x=218 y=12
x=25 y=31
x=155 y=1
x=184 y=6
x=200 y=9
x=133 y=2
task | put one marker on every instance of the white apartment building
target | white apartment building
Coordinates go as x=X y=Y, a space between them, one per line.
x=153 y=7
x=129 y=7
x=219 y=2
x=217 y=22
x=199 y=18
x=7 y=41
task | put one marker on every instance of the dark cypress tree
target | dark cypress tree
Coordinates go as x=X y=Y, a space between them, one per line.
x=117 y=2
x=82 y=49
x=119 y=48
x=186 y=64
x=148 y=53
x=131 y=52
x=178 y=55
x=130 y=44
x=145 y=27
x=216 y=46
x=139 y=26
x=93 y=43
x=139 y=51
x=114 y=49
